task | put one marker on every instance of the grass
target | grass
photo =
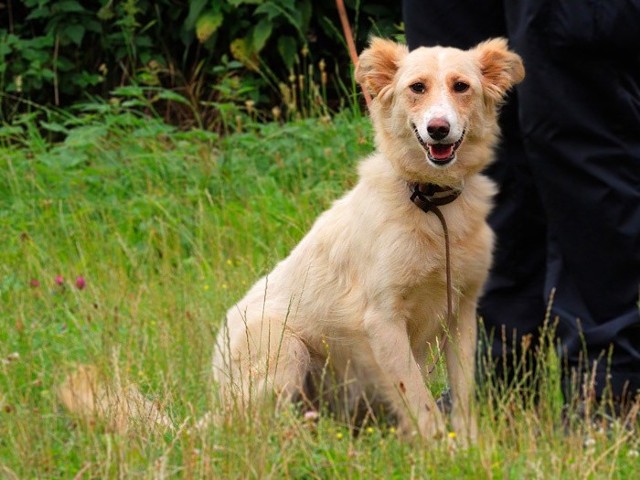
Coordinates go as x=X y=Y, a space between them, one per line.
x=167 y=229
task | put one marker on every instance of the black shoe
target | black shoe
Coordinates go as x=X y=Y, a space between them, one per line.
x=444 y=402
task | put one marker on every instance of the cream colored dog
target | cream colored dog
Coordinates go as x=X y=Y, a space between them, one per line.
x=349 y=316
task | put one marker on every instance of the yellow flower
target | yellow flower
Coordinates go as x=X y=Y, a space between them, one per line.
x=452 y=435
x=339 y=435
x=206 y=287
x=369 y=429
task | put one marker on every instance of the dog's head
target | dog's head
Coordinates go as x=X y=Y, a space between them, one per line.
x=435 y=109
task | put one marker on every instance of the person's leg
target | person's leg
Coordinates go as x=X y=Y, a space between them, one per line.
x=512 y=305
x=451 y=23
x=580 y=112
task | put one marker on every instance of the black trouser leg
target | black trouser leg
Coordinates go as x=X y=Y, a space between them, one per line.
x=580 y=118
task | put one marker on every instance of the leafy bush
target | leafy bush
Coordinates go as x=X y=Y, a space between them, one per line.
x=217 y=55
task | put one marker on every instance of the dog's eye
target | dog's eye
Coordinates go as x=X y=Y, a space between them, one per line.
x=418 y=87
x=460 y=87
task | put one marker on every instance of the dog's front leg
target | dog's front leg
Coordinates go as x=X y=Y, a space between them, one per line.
x=402 y=383
x=460 y=353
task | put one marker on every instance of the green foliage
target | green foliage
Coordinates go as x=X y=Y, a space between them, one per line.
x=56 y=53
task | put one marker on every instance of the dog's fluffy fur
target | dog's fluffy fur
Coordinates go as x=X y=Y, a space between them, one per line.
x=349 y=316
x=121 y=407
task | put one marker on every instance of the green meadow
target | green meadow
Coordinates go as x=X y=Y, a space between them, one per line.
x=123 y=241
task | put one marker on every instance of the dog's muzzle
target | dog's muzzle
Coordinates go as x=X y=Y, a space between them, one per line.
x=440 y=154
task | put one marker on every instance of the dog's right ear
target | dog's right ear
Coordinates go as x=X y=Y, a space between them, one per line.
x=378 y=65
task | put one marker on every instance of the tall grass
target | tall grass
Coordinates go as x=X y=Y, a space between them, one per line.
x=167 y=229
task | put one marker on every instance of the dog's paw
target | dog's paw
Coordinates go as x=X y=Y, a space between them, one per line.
x=429 y=426
x=465 y=430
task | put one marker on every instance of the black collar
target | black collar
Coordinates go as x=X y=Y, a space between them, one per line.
x=428 y=196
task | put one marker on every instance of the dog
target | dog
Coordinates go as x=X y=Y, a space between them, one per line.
x=349 y=317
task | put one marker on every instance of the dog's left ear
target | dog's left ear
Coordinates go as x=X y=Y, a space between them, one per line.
x=501 y=68
x=378 y=65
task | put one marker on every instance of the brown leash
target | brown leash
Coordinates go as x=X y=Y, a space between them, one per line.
x=429 y=201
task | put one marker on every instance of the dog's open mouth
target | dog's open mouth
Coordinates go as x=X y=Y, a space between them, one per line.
x=440 y=154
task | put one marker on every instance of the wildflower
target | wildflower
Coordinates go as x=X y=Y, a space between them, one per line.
x=339 y=435
x=369 y=430
x=206 y=287
x=633 y=454
x=311 y=415
x=452 y=435
x=589 y=442
x=59 y=280
x=392 y=429
x=80 y=282
x=34 y=283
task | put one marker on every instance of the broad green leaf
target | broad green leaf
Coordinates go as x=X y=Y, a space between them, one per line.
x=207 y=24
x=237 y=3
x=105 y=13
x=172 y=96
x=68 y=6
x=287 y=47
x=195 y=9
x=40 y=12
x=54 y=127
x=129 y=91
x=261 y=33
x=268 y=9
x=75 y=33
x=242 y=52
x=4 y=50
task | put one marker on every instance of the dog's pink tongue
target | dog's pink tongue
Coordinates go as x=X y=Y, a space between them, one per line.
x=440 y=151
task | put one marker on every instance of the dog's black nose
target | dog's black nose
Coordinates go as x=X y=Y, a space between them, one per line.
x=438 y=128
